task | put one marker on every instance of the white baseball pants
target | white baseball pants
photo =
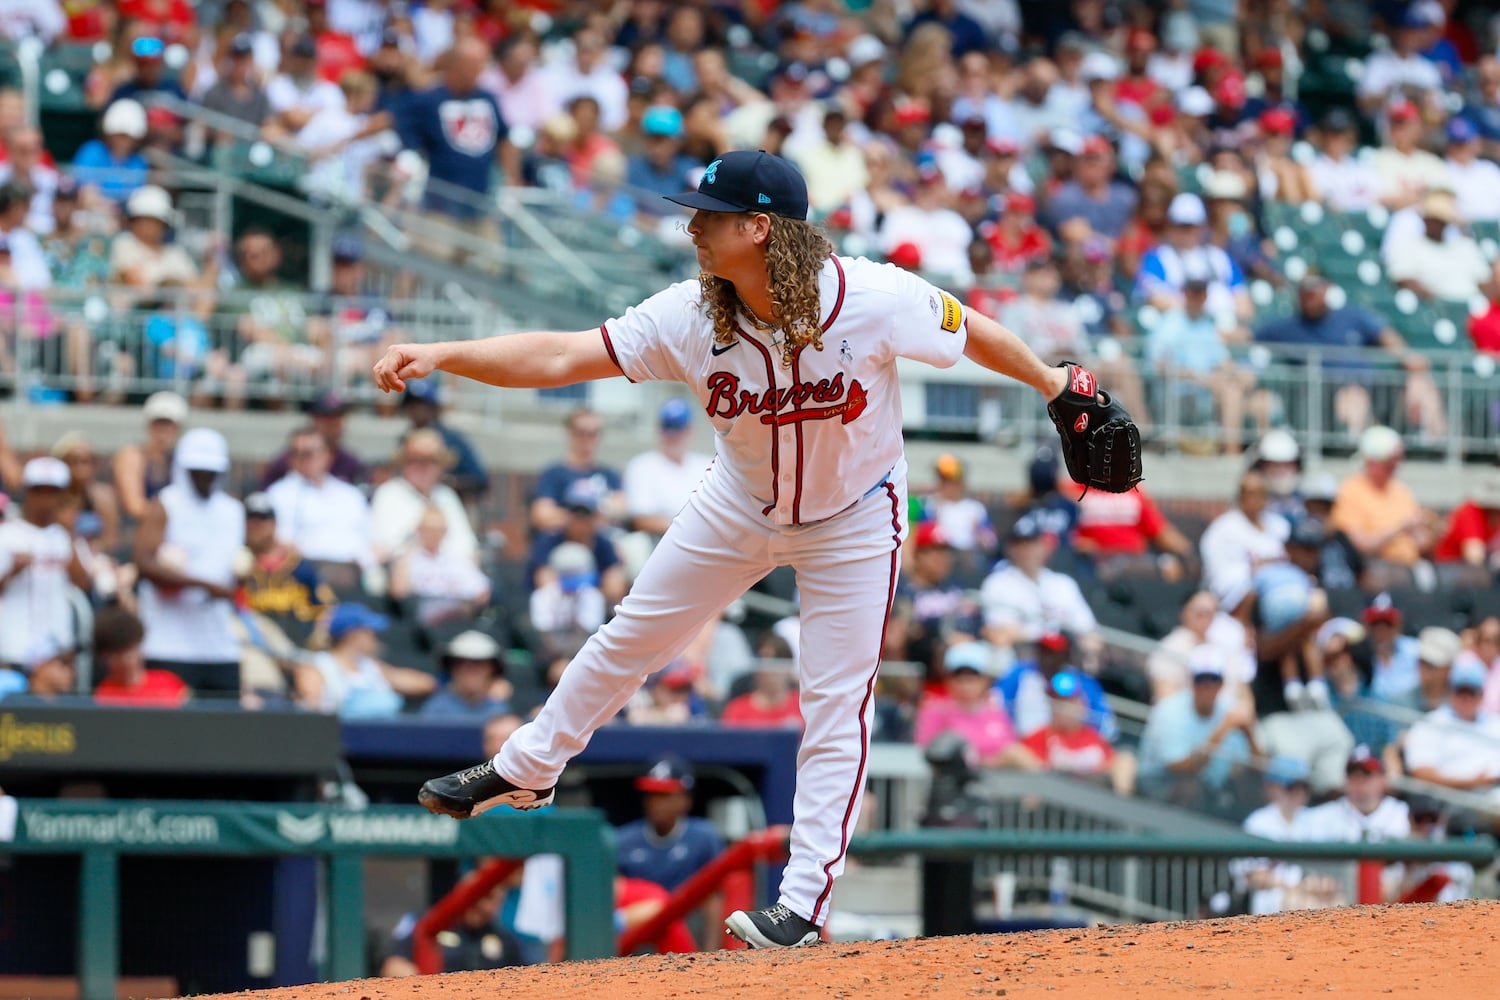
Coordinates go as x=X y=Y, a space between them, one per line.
x=714 y=550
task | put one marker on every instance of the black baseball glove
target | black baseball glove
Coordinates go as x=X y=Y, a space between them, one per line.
x=1100 y=442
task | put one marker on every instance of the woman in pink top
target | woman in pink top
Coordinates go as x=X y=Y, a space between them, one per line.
x=972 y=709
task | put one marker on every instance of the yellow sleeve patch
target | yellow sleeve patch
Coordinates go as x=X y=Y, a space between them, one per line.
x=953 y=314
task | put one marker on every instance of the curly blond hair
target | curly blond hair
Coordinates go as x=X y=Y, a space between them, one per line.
x=795 y=253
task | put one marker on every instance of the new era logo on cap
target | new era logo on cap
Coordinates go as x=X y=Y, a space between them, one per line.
x=745 y=180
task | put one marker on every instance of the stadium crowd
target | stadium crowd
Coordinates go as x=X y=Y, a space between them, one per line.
x=1103 y=177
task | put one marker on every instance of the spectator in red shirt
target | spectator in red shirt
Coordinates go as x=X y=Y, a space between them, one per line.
x=1472 y=535
x=1121 y=527
x=1137 y=86
x=118 y=635
x=771 y=702
x=169 y=20
x=338 y=53
x=1485 y=329
x=1015 y=238
x=1069 y=745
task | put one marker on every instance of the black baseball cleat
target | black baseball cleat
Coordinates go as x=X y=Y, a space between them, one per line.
x=473 y=790
x=773 y=927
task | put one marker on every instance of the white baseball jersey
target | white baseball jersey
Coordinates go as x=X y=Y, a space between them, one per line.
x=809 y=473
x=810 y=441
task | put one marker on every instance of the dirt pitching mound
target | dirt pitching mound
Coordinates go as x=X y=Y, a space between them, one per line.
x=1444 y=950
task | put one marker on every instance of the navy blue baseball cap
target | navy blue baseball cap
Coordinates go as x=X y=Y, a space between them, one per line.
x=669 y=774
x=745 y=180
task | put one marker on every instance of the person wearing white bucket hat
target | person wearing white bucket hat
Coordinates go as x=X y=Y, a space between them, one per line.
x=185 y=549
x=141 y=256
x=38 y=563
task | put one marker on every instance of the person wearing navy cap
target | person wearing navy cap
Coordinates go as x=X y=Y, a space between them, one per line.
x=581 y=503
x=659 y=482
x=238 y=93
x=791 y=351
x=666 y=845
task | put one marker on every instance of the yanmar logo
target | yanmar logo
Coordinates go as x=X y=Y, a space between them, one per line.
x=364 y=829
x=776 y=406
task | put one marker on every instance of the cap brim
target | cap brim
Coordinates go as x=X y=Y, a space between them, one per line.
x=660 y=786
x=697 y=199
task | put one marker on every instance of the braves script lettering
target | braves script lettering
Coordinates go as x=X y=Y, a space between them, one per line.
x=728 y=400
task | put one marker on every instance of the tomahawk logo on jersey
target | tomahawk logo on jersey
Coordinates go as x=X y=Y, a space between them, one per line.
x=836 y=411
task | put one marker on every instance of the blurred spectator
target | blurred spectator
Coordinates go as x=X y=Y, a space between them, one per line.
x=930 y=226
x=326 y=414
x=444 y=586
x=77 y=245
x=1278 y=458
x=1378 y=512
x=1438 y=265
x=1485 y=641
x=1231 y=228
x=88 y=494
x=296 y=94
x=1457 y=745
x=238 y=94
x=1365 y=812
x=835 y=166
x=1484 y=101
x=475 y=685
x=1273 y=885
x=1093 y=196
x=1023 y=600
x=669 y=698
x=268 y=315
x=1069 y=745
x=1188 y=345
x=27 y=266
x=275 y=580
x=570 y=602
x=1317 y=326
x=1476 y=181
x=1239 y=541
x=523 y=89
x=588 y=73
x=141 y=257
x=931 y=609
x=1472 y=533
x=1026 y=688
x=1336 y=641
x=24 y=164
x=149 y=77
x=1054 y=513
x=966 y=33
x=422 y=406
x=476 y=941
x=400 y=502
x=1050 y=326
x=1114 y=525
x=141 y=471
x=1345 y=180
x=658 y=483
x=1407 y=172
x=1185 y=256
x=1015 y=238
x=1437 y=649
x=10 y=466
x=582 y=523
x=1402 y=71
x=1198 y=740
x=356 y=320
x=963 y=520
x=1201 y=622
x=339 y=141
x=1484 y=327
x=326 y=519
x=338 y=53
x=1441 y=882
x=1288 y=609
x=1284 y=177
x=38 y=567
x=661 y=168
x=970 y=708
x=1389 y=658
x=127 y=680
x=49 y=672
x=585 y=430
x=771 y=701
x=185 y=548
x=173 y=20
x=349 y=679
x=1089 y=280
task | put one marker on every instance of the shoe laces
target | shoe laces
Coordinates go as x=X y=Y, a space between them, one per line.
x=778 y=914
x=477 y=771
